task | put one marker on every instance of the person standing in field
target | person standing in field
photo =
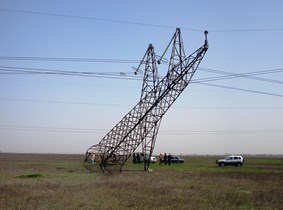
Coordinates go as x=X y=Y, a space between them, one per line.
x=165 y=159
x=160 y=159
x=134 y=158
x=169 y=159
x=138 y=158
x=92 y=158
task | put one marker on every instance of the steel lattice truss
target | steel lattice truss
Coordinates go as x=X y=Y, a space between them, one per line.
x=140 y=126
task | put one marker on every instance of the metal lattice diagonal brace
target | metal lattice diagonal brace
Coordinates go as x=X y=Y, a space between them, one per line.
x=140 y=126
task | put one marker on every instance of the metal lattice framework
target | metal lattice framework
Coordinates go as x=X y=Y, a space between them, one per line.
x=140 y=126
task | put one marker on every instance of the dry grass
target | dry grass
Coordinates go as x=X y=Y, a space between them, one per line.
x=41 y=181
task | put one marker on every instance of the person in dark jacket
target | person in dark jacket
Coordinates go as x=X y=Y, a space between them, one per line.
x=134 y=158
x=165 y=159
x=169 y=159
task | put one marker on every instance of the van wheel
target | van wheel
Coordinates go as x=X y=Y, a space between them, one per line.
x=221 y=164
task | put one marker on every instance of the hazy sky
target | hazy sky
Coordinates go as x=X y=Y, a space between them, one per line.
x=67 y=114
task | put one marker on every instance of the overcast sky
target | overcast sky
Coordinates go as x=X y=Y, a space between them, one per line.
x=59 y=113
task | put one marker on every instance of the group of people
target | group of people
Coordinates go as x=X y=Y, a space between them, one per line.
x=137 y=158
x=166 y=159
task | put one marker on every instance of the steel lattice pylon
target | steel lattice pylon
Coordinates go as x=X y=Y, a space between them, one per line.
x=140 y=126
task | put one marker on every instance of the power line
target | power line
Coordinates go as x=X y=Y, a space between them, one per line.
x=54 y=59
x=248 y=75
x=50 y=129
x=241 y=89
x=111 y=75
x=121 y=75
x=226 y=75
x=139 y=23
x=217 y=132
x=95 y=19
x=62 y=102
x=128 y=105
x=246 y=30
x=179 y=132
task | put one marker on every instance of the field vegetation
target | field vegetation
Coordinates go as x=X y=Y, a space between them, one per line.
x=52 y=181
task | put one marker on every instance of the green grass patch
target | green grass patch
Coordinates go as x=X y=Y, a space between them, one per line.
x=29 y=176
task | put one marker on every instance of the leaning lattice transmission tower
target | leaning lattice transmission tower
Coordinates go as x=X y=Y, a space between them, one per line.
x=140 y=126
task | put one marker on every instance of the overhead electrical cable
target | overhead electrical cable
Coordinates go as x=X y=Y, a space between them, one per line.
x=54 y=59
x=246 y=30
x=181 y=132
x=128 y=105
x=25 y=70
x=126 y=75
x=130 y=75
x=241 y=89
x=137 y=23
x=268 y=71
x=248 y=75
x=95 y=19
x=209 y=132
x=227 y=75
x=50 y=129
x=122 y=75
x=62 y=102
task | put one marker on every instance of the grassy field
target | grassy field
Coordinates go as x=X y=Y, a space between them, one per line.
x=50 y=181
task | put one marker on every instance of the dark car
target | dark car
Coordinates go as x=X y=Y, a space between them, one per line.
x=177 y=159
